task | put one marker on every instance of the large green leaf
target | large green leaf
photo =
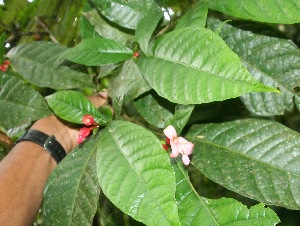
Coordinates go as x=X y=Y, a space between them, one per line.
x=72 y=191
x=145 y=29
x=134 y=172
x=20 y=104
x=37 y=63
x=194 y=66
x=259 y=159
x=127 y=13
x=272 y=60
x=270 y=11
x=196 y=17
x=72 y=106
x=98 y=51
x=127 y=85
x=197 y=210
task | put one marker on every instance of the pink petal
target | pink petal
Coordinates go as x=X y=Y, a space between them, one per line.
x=175 y=150
x=185 y=160
x=170 y=132
x=185 y=146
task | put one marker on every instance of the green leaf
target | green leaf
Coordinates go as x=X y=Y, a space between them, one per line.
x=194 y=66
x=87 y=30
x=197 y=210
x=259 y=159
x=20 y=104
x=181 y=116
x=2 y=47
x=72 y=191
x=272 y=60
x=98 y=51
x=196 y=17
x=161 y=113
x=37 y=63
x=127 y=85
x=270 y=11
x=155 y=110
x=106 y=30
x=126 y=13
x=72 y=106
x=134 y=172
x=145 y=29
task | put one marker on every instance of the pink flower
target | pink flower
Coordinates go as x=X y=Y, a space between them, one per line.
x=179 y=145
x=84 y=132
x=88 y=120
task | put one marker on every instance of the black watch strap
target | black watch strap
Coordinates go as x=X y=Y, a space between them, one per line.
x=49 y=143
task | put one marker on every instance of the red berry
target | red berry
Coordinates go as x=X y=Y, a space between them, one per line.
x=3 y=67
x=136 y=54
x=6 y=62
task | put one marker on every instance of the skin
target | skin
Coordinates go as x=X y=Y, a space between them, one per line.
x=25 y=170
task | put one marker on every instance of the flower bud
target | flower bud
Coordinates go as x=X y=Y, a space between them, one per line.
x=83 y=133
x=88 y=120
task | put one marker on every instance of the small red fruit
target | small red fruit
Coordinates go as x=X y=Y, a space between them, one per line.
x=136 y=54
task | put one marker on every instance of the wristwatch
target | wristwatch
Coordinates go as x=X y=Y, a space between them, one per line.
x=49 y=143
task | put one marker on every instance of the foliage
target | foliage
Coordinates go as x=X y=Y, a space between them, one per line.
x=229 y=87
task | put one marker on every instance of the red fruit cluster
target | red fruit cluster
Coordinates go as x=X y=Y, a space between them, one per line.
x=84 y=132
x=4 y=66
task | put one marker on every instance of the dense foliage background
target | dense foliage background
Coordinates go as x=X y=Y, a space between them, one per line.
x=194 y=71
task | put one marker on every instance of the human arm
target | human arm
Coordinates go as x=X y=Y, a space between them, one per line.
x=25 y=170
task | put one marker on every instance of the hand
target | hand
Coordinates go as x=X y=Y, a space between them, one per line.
x=64 y=132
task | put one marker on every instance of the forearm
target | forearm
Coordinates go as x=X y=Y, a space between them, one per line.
x=24 y=172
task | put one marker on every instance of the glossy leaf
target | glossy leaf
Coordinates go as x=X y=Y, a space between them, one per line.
x=196 y=17
x=197 y=210
x=72 y=106
x=72 y=191
x=272 y=60
x=37 y=63
x=134 y=172
x=259 y=159
x=98 y=51
x=20 y=104
x=270 y=11
x=194 y=66
x=181 y=116
x=145 y=29
x=127 y=85
x=126 y=13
